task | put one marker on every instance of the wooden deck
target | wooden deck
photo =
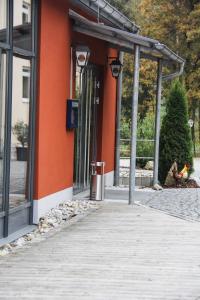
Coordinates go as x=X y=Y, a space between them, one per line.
x=116 y=253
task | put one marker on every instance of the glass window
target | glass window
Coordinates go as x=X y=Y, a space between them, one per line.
x=26 y=13
x=20 y=133
x=3 y=20
x=22 y=24
x=25 y=84
x=2 y=117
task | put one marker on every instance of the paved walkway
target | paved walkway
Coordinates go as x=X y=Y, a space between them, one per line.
x=182 y=203
x=119 y=252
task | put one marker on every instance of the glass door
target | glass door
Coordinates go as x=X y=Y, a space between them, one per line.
x=86 y=134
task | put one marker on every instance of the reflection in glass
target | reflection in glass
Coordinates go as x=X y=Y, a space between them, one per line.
x=2 y=117
x=3 y=21
x=86 y=133
x=20 y=132
x=22 y=24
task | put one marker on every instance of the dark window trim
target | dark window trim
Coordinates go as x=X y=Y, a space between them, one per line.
x=23 y=53
x=8 y=112
x=4 y=46
x=11 y=51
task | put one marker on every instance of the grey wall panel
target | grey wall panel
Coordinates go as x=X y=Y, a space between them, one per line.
x=1 y=227
x=18 y=220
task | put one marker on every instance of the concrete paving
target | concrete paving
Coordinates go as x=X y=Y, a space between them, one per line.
x=118 y=252
x=182 y=203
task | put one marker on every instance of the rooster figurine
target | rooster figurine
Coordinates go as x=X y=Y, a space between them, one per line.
x=184 y=173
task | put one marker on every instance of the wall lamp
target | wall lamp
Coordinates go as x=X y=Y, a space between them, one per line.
x=115 y=66
x=82 y=56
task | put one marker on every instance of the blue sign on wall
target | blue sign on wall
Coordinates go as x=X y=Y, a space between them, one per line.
x=72 y=113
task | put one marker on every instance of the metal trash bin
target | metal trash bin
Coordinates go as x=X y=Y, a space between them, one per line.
x=97 y=187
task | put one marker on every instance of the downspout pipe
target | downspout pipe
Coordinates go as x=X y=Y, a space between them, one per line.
x=174 y=57
x=175 y=74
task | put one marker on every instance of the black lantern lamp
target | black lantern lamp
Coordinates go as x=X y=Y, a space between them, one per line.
x=116 y=67
x=82 y=56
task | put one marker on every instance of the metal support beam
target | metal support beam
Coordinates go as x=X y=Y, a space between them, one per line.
x=8 y=120
x=118 y=122
x=157 y=124
x=134 y=124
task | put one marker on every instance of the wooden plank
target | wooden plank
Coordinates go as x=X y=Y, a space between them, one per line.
x=118 y=252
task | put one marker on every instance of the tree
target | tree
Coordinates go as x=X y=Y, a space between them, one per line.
x=128 y=7
x=175 y=137
x=177 y=24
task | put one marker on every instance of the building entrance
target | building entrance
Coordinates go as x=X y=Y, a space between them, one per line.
x=85 y=150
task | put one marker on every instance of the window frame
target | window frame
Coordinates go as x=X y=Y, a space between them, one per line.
x=12 y=51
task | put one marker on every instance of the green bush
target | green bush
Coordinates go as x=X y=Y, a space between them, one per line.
x=20 y=130
x=145 y=133
x=175 y=136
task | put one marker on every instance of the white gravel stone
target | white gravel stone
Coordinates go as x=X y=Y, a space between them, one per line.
x=19 y=242
x=29 y=236
x=149 y=165
x=4 y=252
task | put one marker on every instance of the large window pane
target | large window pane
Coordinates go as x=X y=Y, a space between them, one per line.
x=22 y=24
x=3 y=20
x=20 y=132
x=2 y=117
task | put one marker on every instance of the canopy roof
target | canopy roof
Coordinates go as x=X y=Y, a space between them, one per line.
x=125 y=41
x=107 y=13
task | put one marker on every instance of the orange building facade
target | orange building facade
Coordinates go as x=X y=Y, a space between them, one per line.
x=55 y=153
x=43 y=161
x=57 y=118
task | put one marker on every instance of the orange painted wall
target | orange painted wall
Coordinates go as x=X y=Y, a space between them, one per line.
x=54 y=145
x=108 y=117
x=54 y=157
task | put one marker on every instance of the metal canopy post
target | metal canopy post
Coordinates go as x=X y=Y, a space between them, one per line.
x=118 y=121
x=157 y=123
x=134 y=124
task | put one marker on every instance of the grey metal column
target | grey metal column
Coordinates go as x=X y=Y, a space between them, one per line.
x=1 y=98
x=118 y=122
x=157 y=125
x=8 y=120
x=134 y=124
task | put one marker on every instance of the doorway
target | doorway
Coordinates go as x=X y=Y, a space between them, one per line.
x=85 y=150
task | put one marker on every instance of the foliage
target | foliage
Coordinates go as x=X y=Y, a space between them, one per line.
x=146 y=128
x=20 y=130
x=125 y=130
x=177 y=23
x=175 y=137
x=147 y=87
x=125 y=138
x=145 y=131
x=128 y=7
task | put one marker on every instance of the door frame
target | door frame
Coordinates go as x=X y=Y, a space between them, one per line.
x=83 y=167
